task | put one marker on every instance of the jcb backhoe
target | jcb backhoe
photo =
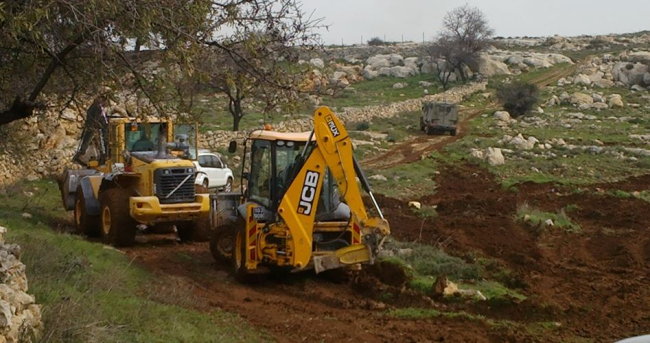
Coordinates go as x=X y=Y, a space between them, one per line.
x=134 y=173
x=290 y=216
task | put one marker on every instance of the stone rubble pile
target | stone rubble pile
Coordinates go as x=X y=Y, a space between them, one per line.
x=20 y=316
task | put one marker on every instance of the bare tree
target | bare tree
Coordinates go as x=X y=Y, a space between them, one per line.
x=465 y=34
x=439 y=53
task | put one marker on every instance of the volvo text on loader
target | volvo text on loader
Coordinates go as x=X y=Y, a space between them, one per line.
x=290 y=216
x=134 y=172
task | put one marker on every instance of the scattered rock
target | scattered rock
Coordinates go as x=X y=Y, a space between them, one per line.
x=415 y=204
x=502 y=115
x=494 y=156
x=378 y=177
x=399 y=85
x=317 y=62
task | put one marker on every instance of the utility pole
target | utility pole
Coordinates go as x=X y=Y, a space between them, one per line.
x=361 y=39
x=384 y=37
x=423 y=37
x=342 y=42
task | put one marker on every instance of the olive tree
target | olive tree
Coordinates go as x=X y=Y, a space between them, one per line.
x=60 y=49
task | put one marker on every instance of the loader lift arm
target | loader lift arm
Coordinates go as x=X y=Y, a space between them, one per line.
x=332 y=149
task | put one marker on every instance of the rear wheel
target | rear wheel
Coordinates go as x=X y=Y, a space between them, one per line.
x=85 y=223
x=221 y=244
x=118 y=228
x=453 y=132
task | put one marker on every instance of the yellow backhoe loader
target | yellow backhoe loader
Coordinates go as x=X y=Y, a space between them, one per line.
x=302 y=207
x=135 y=172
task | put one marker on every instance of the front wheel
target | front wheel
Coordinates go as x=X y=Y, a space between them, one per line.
x=118 y=228
x=453 y=132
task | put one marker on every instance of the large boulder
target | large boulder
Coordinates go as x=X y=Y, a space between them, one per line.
x=502 y=116
x=580 y=99
x=378 y=61
x=401 y=72
x=494 y=156
x=630 y=74
x=488 y=66
x=317 y=62
x=582 y=79
x=640 y=57
x=369 y=73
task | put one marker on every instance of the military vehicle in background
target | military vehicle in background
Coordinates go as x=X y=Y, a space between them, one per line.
x=439 y=117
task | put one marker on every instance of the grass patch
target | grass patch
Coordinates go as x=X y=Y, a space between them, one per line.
x=92 y=293
x=538 y=218
x=643 y=195
x=379 y=91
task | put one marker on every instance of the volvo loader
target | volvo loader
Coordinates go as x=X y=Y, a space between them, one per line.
x=134 y=172
x=302 y=205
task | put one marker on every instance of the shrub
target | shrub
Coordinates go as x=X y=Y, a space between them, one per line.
x=518 y=98
x=362 y=126
x=376 y=41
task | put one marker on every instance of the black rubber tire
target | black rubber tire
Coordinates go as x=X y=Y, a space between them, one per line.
x=221 y=244
x=118 y=228
x=85 y=224
x=185 y=231
x=453 y=132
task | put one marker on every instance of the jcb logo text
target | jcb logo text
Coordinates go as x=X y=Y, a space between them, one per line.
x=308 y=192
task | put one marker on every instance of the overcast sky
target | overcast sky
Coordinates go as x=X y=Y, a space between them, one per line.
x=351 y=19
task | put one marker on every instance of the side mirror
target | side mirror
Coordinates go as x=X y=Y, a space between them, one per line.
x=232 y=147
x=245 y=175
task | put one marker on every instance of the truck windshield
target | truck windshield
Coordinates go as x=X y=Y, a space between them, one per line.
x=142 y=136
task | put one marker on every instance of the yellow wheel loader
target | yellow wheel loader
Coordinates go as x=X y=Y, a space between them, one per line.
x=134 y=172
x=302 y=207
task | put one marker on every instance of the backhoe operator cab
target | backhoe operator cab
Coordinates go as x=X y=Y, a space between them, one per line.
x=302 y=206
x=134 y=173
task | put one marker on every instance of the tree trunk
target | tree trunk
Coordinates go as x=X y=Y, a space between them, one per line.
x=234 y=106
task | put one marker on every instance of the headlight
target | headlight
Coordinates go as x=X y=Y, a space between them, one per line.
x=166 y=171
x=190 y=171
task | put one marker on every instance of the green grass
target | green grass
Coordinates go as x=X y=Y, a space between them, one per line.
x=92 y=293
x=379 y=91
x=537 y=218
x=643 y=195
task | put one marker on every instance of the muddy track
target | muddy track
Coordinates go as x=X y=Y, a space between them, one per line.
x=414 y=149
x=298 y=307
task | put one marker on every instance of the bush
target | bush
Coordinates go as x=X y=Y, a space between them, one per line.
x=376 y=41
x=518 y=98
x=362 y=126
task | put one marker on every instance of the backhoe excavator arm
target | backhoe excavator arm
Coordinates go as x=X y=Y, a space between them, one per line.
x=333 y=150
